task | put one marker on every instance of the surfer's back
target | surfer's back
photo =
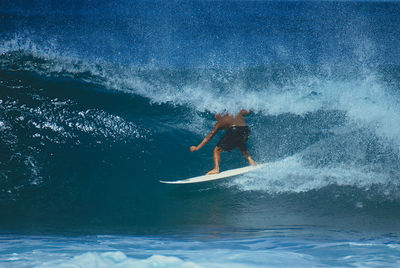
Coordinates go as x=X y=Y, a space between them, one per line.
x=228 y=120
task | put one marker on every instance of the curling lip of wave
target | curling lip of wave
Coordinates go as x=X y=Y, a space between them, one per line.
x=221 y=90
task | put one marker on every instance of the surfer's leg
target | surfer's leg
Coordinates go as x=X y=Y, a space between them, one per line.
x=247 y=155
x=217 y=160
x=242 y=145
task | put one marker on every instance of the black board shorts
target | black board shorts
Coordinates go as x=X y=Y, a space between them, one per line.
x=236 y=136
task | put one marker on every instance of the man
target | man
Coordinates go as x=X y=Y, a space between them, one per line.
x=236 y=136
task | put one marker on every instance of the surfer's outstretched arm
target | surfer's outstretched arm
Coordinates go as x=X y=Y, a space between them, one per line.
x=206 y=139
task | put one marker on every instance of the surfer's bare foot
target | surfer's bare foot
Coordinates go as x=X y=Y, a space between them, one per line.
x=252 y=162
x=214 y=171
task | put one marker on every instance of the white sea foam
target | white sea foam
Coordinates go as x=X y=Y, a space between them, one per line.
x=118 y=259
x=292 y=175
x=273 y=250
x=164 y=257
x=203 y=259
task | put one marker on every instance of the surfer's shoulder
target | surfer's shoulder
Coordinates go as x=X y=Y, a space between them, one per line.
x=244 y=112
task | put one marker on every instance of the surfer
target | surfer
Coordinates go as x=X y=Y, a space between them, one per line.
x=236 y=136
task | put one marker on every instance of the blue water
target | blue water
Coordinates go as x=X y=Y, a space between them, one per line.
x=101 y=100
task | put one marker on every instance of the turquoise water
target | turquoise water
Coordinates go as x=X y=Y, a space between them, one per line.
x=98 y=102
x=278 y=247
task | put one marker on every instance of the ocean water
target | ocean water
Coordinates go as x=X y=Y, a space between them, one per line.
x=99 y=100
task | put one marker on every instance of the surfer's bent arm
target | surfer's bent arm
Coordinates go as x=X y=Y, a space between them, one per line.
x=206 y=139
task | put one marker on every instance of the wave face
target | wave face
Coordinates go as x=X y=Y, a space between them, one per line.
x=96 y=107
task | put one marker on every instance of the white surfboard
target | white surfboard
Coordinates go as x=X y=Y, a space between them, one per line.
x=221 y=175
